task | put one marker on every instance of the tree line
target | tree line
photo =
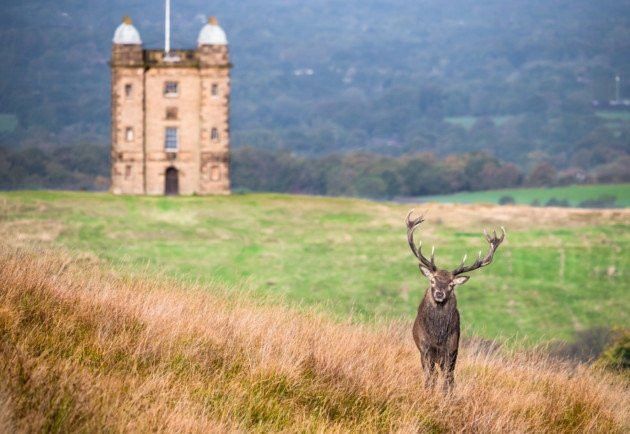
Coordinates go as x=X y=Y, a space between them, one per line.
x=86 y=167
x=385 y=177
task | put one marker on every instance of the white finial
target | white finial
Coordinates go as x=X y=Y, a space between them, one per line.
x=126 y=34
x=211 y=34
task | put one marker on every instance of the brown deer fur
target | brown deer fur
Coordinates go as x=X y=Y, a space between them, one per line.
x=436 y=328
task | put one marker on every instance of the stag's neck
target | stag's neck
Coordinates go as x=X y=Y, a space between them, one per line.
x=439 y=320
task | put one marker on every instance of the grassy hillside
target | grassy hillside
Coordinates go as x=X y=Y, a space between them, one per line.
x=574 y=194
x=83 y=349
x=559 y=271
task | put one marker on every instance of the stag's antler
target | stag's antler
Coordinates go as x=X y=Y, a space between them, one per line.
x=494 y=241
x=412 y=225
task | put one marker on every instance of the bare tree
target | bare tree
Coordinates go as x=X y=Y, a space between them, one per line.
x=436 y=328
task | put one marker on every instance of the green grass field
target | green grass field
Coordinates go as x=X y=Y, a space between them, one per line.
x=613 y=115
x=615 y=121
x=560 y=270
x=468 y=121
x=573 y=193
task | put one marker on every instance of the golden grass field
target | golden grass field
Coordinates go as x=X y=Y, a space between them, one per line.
x=84 y=348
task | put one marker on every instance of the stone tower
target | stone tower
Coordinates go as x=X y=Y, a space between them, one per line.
x=170 y=115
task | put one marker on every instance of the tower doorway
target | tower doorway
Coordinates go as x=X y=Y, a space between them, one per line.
x=171 y=182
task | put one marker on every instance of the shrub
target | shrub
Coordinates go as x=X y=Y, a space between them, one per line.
x=617 y=353
x=506 y=200
x=587 y=346
x=558 y=202
x=603 y=201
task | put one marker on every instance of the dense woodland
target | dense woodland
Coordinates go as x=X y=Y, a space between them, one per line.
x=86 y=167
x=341 y=97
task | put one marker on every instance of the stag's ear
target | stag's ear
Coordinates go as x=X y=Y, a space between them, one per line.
x=460 y=280
x=425 y=271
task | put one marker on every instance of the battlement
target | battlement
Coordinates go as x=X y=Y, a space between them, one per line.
x=176 y=58
x=203 y=57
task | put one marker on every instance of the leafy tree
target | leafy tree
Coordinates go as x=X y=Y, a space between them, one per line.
x=543 y=174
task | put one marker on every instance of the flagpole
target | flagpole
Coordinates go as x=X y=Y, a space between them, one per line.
x=167 y=27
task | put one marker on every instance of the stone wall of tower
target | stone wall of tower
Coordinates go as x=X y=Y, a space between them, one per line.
x=142 y=111
x=186 y=103
x=127 y=106
x=214 y=137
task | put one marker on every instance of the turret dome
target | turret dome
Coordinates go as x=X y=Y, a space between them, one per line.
x=212 y=34
x=126 y=34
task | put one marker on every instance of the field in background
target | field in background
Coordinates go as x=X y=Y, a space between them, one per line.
x=574 y=194
x=467 y=122
x=85 y=349
x=559 y=271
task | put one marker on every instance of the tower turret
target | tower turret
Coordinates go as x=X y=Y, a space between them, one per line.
x=127 y=98
x=126 y=44
x=212 y=45
x=214 y=69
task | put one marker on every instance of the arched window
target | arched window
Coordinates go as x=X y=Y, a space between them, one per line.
x=214 y=89
x=214 y=135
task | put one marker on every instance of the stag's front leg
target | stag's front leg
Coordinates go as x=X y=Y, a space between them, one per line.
x=428 y=366
x=447 y=365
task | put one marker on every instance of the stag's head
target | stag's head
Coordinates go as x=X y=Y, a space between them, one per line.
x=443 y=282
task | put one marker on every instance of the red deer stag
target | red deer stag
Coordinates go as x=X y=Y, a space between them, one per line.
x=436 y=328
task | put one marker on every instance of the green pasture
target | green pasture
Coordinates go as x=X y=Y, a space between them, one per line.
x=614 y=115
x=468 y=121
x=574 y=194
x=550 y=278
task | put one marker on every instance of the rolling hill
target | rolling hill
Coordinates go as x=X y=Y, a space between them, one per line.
x=560 y=271
x=574 y=195
x=84 y=348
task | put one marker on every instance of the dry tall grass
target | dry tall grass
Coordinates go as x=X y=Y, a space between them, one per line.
x=84 y=350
